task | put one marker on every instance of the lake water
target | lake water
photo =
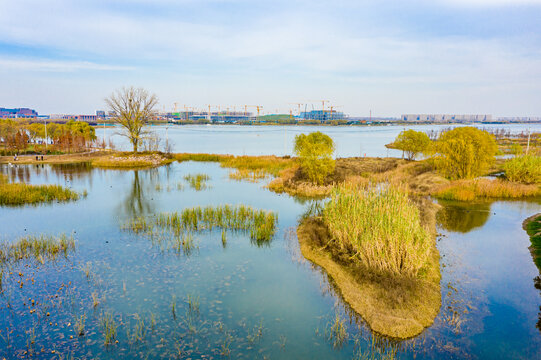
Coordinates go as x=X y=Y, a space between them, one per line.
x=254 y=301
x=278 y=140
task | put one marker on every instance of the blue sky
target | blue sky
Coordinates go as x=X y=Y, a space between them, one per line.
x=391 y=57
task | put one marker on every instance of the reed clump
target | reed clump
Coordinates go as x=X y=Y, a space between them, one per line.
x=248 y=175
x=524 y=169
x=12 y=194
x=380 y=227
x=268 y=164
x=260 y=224
x=469 y=190
x=197 y=182
x=36 y=247
x=201 y=157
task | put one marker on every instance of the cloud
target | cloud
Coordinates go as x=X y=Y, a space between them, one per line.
x=56 y=65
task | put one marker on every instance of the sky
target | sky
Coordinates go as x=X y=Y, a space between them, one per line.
x=387 y=57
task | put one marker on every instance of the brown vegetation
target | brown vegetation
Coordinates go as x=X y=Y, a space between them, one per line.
x=132 y=160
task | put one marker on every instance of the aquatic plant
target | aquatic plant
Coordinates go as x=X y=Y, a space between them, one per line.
x=261 y=224
x=197 y=181
x=224 y=239
x=109 y=328
x=12 y=194
x=380 y=226
x=468 y=190
x=174 y=307
x=36 y=247
x=249 y=175
x=80 y=325
x=336 y=332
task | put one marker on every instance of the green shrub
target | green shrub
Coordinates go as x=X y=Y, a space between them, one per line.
x=379 y=226
x=525 y=169
x=315 y=155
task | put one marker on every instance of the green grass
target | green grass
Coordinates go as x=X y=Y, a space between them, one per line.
x=533 y=228
x=524 y=169
x=12 y=194
x=380 y=227
x=197 y=182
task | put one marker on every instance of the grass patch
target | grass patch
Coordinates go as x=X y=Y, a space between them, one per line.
x=268 y=164
x=260 y=224
x=380 y=227
x=532 y=225
x=271 y=165
x=197 y=182
x=469 y=190
x=248 y=175
x=36 y=247
x=12 y=194
x=201 y=157
x=524 y=169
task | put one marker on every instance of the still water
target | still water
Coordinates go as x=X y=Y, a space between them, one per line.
x=278 y=140
x=254 y=302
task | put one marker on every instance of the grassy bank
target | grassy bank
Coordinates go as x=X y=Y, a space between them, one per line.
x=532 y=225
x=132 y=160
x=379 y=249
x=470 y=190
x=12 y=194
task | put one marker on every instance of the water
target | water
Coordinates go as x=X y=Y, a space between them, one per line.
x=254 y=301
x=278 y=140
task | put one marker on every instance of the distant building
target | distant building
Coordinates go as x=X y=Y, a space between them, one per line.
x=445 y=118
x=216 y=116
x=18 y=113
x=100 y=114
x=322 y=115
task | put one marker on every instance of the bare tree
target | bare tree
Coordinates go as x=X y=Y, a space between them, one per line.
x=133 y=108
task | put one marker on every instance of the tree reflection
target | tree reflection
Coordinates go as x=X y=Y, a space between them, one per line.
x=463 y=218
x=136 y=203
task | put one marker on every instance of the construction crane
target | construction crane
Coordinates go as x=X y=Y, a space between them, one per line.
x=332 y=110
x=298 y=105
x=322 y=103
x=258 y=107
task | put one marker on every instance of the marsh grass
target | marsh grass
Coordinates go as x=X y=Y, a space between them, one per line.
x=80 y=325
x=468 y=190
x=271 y=165
x=37 y=248
x=379 y=226
x=197 y=182
x=336 y=332
x=109 y=327
x=12 y=194
x=259 y=223
x=248 y=175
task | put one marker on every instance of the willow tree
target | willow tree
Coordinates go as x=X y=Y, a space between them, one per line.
x=315 y=155
x=133 y=109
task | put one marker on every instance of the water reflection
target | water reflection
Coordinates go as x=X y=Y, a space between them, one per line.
x=463 y=217
x=136 y=203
